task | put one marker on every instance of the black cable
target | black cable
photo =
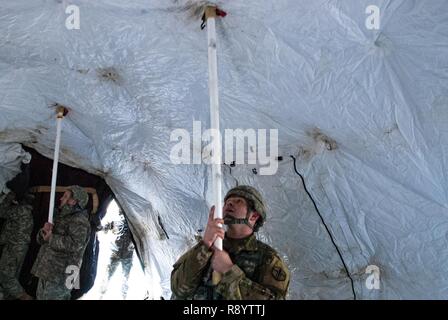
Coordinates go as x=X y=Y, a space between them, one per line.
x=230 y=168
x=159 y=219
x=326 y=227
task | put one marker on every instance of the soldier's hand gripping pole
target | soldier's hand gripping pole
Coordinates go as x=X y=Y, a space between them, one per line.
x=61 y=112
x=211 y=12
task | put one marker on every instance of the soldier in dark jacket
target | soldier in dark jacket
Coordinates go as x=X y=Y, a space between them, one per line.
x=250 y=269
x=15 y=238
x=63 y=244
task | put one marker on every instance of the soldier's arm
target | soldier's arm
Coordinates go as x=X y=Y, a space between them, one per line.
x=3 y=210
x=40 y=237
x=5 y=204
x=274 y=283
x=73 y=240
x=188 y=270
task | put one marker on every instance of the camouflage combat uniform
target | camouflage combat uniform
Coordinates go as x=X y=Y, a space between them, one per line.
x=70 y=236
x=15 y=238
x=258 y=273
x=5 y=203
x=122 y=253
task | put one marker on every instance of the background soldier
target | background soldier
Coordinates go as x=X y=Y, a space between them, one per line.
x=15 y=238
x=63 y=246
x=250 y=269
x=122 y=253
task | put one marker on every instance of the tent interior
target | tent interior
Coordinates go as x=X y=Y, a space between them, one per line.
x=360 y=113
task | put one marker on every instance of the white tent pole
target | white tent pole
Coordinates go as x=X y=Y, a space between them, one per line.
x=54 y=173
x=210 y=13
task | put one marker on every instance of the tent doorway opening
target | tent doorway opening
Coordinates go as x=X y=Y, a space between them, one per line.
x=103 y=210
x=120 y=274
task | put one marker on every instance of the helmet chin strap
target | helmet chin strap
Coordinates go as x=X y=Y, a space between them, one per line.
x=229 y=219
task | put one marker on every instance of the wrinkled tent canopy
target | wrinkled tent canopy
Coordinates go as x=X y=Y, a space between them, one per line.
x=364 y=111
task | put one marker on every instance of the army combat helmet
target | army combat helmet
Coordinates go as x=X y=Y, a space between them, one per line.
x=80 y=195
x=255 y=202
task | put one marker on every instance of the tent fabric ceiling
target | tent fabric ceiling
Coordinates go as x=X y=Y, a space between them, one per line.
x=137 y=70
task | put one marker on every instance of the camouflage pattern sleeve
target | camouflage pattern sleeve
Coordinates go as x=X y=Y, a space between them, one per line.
x=73 y=241
x=10 y=265
x=40 y=237
x=274 y=283
x=187 y=272
x=5 y=204
x=3 y=210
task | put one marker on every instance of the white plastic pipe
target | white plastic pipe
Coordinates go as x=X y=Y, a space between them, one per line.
x=214 y=121
x=54 y=173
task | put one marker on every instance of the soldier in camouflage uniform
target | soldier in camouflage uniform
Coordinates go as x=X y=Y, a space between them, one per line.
x=249 y=268
x=15 y=238
x=63 y=245
x=122 y=253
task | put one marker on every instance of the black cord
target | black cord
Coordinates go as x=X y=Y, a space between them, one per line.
x=326 y=227
x=161 y=225
x=230 y=168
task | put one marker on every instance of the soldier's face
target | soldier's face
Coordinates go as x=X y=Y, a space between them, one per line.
x=236 y=207
x=67 y=199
